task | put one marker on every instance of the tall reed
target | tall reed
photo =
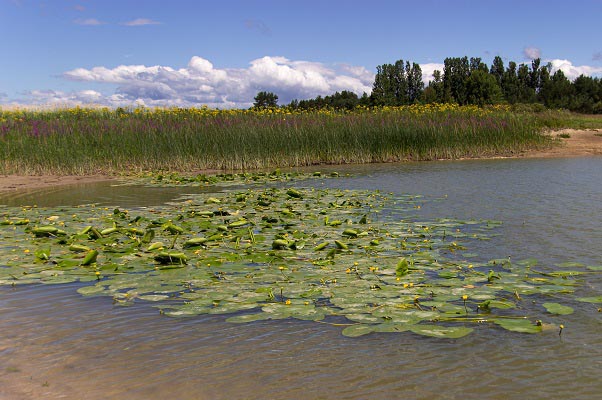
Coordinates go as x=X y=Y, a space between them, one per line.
x=86 y=141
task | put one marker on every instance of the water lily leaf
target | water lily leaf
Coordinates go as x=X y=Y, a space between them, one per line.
x=565 y=273
x=555 y=308
x=439 y=331
x=517 y=325
x=91 y=290
x=364 y=318
x=255 y=249
x=153 y=297
x=528 y=262
x=393 y=327
x=358 y=330
x=43 y=253
x=570 y=264
x=501 y=304
x=594 y=299
x=239 y=319
x=56 y=279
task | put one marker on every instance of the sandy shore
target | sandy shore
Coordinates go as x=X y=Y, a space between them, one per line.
x=580 y=143
x=16 y=182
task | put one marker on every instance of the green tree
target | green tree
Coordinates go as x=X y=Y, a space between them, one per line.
x=482 y=88
x=343 y=100
x=510 y=83
x=526 y=92
x=397 y=84
x=265 y=100
x=539 y=75
x=456 y=71
x=477 y=64
x=586 y=95
x=498 y=70
x=415 y=83
x=435 y=92
x=385 y=85
x=557 y=92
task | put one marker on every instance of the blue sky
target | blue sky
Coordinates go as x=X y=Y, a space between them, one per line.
x=220 y=53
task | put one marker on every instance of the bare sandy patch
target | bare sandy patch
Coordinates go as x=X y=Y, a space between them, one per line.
x=10 y=183
x=578 y=143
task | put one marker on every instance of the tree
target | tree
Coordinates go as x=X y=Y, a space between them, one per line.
x=384 y=87
x=526 y=92
x=343 y=100
x=510 y=83
x=397 y=84
x=455 y=73
x=539 y=75
x=497 y=70
x=557 y=92
x=477 y=64
x=265 y=100
x=586 y=95
x=415 y=83
x=434 y=93
x=482 y=88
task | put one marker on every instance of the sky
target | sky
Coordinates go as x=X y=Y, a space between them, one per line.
x=192 y=53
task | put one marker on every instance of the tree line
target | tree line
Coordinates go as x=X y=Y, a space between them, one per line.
x=464 y=81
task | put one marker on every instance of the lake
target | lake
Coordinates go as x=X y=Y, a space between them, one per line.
x=54 y=343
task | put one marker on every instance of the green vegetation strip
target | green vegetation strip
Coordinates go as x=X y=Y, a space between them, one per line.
x=336 y=256
x=89 y=141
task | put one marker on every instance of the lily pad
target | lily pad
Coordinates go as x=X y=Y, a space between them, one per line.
x=594 y=299
x=556 y=308
x=518 y=325
x=439 y=331
x=261 y=252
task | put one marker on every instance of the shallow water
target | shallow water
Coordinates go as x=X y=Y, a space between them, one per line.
x=55 y=343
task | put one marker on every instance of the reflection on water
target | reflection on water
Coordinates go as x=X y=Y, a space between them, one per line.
x=56 y=344
x=104 y=193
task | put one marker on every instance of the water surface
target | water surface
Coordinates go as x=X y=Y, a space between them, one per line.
x=55 y=343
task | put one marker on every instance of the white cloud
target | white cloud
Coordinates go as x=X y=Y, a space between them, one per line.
x=201 y=83
x=573 y=71
x=141 y=22
x=88 y=21
x=531 y=53
x=57 y=98
x=428 y=69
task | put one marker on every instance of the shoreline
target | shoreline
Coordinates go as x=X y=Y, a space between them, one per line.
x=581 y=143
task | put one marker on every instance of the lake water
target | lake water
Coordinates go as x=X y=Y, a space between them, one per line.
x=54 y=343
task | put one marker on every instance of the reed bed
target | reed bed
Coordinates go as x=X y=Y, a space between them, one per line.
x=87 y=141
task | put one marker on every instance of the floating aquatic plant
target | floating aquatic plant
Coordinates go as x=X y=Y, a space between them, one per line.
x=354 y=258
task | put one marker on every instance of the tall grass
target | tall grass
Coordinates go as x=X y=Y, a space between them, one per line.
x=87 y=141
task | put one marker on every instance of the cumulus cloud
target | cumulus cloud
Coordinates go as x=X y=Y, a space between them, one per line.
x=141 y=22
x=57 y=98
x=531 y=53
x=428 y=69
x=573 y=71
x=88 y=21
x=201 y=83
